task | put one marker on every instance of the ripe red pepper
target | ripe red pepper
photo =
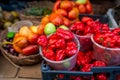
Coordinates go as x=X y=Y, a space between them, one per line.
x=116 y=31
x=42 y=40
x=60 y=55
x=66 y=34
x=86 y=19
x=109 y=42
x=87 y=30
x=71 y=49
x=84 y=58
x=60 y=43
x=117 y=41
x=30 y=50
x=99 y=64
x=48 y=53
x=99 y=38
x=80 y=26
x=101 y=77
x=105 y=28
x=87 y=67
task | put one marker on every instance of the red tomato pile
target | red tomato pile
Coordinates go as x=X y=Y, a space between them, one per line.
x=59 y=45
x=109 y=39
x=65 y=13
x=88 y=26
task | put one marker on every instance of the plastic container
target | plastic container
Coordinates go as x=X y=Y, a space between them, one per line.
x=85 y=41
x=66 y=64
x=112 y=22
x=49 y=74
x=111 y=56
x=16 y=26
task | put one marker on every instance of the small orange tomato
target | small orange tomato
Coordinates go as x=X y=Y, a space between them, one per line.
x=73 y=14
x=61 y=12
x=66 y=21
x=41 y=29
x=88 y=8
x=45 y=20
x=82 y=8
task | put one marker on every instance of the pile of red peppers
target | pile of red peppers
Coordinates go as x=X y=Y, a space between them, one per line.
x=58 y=46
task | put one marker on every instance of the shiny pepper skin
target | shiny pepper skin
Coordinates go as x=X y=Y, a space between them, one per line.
x=87 y=67
x=99 y=38
x=49 y=53
x=60 y=55
x=71 y=49
x=42 y=40
x=116 y=31
x=99 y=64
x=60 y=43
x=109 y=42
x=66 y=34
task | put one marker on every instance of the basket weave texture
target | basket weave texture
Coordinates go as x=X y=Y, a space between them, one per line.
x=35 y=19
x=22 y=60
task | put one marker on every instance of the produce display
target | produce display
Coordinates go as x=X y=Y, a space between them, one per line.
x=59 y=49
x=107 y=43
x=22 y=43
x=87 y=26
x=84 y=28
x=65 y=41
x=7 y=18
x=85 y=61
x=58 y=46
x=64 y=13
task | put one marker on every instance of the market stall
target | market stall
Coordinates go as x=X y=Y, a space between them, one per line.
x=71 y=40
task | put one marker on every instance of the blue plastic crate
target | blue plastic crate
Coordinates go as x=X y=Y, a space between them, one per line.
x=49 y=74
x=108 y=18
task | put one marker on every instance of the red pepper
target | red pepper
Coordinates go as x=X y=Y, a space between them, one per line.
x=60 y=55
x=105 y=28
x=116 y=31
x=53 y=39
x=66 y=34
x=99 y=64
x=80 y=26
x=109 y=42
x=101 y=77
x=90 y=55
x=79 y=56
x=86 y=19
x=60 y=76
x=73 y=28
x=109 y=34
x=71 y=49
x=48 y=53
x=60 y=43
x=99 y=38
x=42 y=40
x=87 y=30
x=87 y=67
x=117 y=41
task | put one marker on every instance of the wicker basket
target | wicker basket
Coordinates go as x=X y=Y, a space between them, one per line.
x=35 y=19
x=20 y=61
